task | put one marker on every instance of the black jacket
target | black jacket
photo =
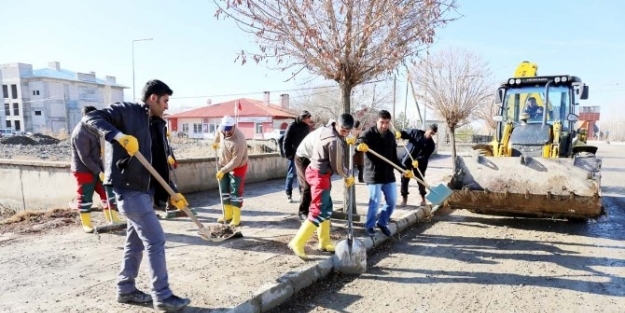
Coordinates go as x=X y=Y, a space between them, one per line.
x=121 y=171
x=293 y=136
x=378 y=171
x=420 y=148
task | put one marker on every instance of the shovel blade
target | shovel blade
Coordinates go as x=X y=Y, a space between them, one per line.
x=350 y=261
x=438 y=194
x=110 y=228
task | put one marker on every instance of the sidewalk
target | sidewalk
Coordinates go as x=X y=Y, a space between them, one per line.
x=67 y=270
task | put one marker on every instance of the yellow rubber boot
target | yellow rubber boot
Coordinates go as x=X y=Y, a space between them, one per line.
x=236 y=216
x=111 y=215
x=323 y=232
x=114 y=216
x=85 y=219
x=107 y=214
x=227 y=213
x=298 y=243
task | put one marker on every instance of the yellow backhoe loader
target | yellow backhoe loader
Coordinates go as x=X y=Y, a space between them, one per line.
x=538 y=164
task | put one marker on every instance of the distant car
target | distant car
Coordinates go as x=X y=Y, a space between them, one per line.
x=274 y=134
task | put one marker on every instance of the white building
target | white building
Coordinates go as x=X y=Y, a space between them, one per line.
x=50 y=99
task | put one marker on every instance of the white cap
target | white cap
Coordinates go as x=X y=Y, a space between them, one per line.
x=227 y=122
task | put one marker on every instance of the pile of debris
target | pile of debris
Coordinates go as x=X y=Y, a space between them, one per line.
x=35 y=139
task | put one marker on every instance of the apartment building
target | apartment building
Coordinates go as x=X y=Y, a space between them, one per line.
x=50 y=99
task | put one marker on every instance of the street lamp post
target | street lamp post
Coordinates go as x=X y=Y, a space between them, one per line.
x=134 y=93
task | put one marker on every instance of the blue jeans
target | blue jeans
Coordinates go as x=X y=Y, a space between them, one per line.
x=290 y=177
x=144 y=231
x=375 y=196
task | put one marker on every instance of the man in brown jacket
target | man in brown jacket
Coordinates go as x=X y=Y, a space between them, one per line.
x=233 y=161
x=324 y=163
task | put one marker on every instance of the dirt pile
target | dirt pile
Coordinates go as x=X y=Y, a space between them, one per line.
x=36 y=221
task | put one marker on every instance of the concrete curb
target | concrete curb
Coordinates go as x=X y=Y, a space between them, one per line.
x=270 y=296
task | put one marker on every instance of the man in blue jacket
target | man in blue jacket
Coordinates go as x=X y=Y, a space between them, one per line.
x=421 y=146
x=133 y=127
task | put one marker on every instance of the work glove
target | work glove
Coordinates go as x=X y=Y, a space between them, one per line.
x=179 y=201
x=349 y=181
x=409 y=174
x=101 y=175
x=215 y=145
x=168 y=134
x=350 y=140
x=171 y=161
x=397 y=135
x=362 y=147
x=415 y=164
x=219 y=175
x=129 y=143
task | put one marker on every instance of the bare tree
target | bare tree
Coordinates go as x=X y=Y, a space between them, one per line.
x=453 y=82
x=486 y=112
x=325 y=104
x=348 y=41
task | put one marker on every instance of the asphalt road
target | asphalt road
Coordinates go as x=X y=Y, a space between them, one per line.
x=464 y=262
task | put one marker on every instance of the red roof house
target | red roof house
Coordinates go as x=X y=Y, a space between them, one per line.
x=258 y=119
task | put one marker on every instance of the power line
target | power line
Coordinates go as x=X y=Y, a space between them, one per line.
x=272 y=91
x=253 y=93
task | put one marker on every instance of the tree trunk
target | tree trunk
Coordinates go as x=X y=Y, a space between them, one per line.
x=346 y=92
x=452 y=133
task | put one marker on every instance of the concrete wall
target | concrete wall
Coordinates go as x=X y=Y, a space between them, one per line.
x=38 y=185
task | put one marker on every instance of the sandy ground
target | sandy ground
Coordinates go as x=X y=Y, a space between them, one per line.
x=463 y=262
x=62 y=269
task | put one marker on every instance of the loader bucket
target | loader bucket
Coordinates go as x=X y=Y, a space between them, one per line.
x=528 y=187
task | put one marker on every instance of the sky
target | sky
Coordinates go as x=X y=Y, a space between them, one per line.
x=194 y=53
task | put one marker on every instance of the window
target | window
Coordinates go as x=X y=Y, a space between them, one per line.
x=35 y=92
x=197 y=128
x=87 y=94
x=5 y=91
x=185 y=128
x=8 y=124
x=518 y=100
x=7 y=109
x=14 y=91
x=16 y=109
x=259 y=128
x=17 y=126
x=38 y=113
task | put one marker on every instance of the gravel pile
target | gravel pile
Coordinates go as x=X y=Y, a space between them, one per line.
x=43 y=147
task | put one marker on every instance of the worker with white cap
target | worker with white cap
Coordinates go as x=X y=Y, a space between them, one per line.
x=233 y=161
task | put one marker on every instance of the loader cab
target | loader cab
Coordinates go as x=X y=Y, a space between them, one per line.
x=544 y=101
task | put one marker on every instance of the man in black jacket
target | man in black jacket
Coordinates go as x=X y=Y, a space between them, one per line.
x=379 y=175
x=129 y=128
x=421 y=146
x=293 y=136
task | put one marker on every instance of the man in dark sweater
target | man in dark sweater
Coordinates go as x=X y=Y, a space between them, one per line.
x=421 y=146
x=293 y=136
x=379 y=175
x=129 y=128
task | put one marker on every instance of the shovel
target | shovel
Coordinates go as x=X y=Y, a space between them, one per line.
x=438 y=194
x=202 y=231
x=350 y=254
x=424 y=182
x=221 y=232
x=112 y=226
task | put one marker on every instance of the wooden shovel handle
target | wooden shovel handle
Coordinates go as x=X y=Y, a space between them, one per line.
x=166 y=186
